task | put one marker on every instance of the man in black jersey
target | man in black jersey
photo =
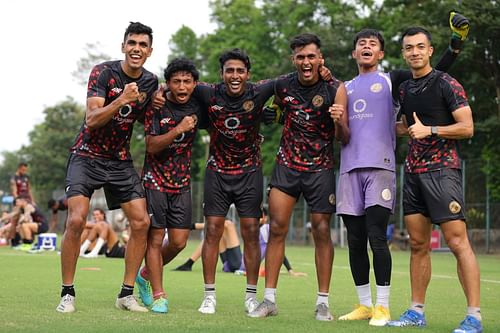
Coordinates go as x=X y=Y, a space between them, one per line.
x=435 y=108
x=304 y=165
x=170 y=133
x=234 y=168
x=118 y=92
x=20 y=183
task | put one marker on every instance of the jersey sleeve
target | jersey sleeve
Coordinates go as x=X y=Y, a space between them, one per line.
x=203 y=92
x=447 y=59
x=398 y=76
x=98 y=82
x=453 y=93
x=151 y=121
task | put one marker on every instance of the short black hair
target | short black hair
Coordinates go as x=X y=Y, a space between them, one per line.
x=234 y=54
x=181 y=65
x=22 y=164
x=367 y=33
x=139 y=28
x=303 y=40
x=412 y=31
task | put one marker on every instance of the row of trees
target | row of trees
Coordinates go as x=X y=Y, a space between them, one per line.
x=263 y=28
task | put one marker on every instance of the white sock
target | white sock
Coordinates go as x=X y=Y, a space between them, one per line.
x=84 y=247
x=98 y=245
x=209 y=289
x=474 y=312
x=418 y=307
x=270 y=294
x=251 y=291
x=365 y=295
x=322 y=298
x=383 y=293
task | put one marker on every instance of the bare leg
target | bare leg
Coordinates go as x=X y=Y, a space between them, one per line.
x=154 y=259
x=78 y=208
x=280 y=211
x=214 y=227
x=177 y=240
x=419 y=228
x=455 y=234
x=251 y=251
x=323 y=250
x=135 y=210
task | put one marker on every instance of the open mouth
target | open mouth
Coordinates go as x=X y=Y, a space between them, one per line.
x=235 y=85
x=307 y=71
x=366 y=53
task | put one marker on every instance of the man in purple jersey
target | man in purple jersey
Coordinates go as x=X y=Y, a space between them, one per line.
x=435 y=107
x=170 y=133
x=367 y=182
x=304 y=165
x=118 y=92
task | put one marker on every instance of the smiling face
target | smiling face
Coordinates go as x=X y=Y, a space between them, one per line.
x=368 y=53
x=137 y=48
x=417 y=52
x=235 y=75
x=181 y=86
x=307 y=61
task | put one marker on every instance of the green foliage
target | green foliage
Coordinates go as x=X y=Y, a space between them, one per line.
x=49 y=147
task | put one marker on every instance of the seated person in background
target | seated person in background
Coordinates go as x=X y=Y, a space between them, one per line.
x=102 y=234
x=29 y=221
x=230 y=252
x=56 y=205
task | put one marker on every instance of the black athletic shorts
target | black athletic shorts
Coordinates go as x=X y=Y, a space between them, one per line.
x=436 y=194
x=117 y=251
x=244 y=190
x=119 y=179
x=168 y=210
x=318 y=188
x=42 y=227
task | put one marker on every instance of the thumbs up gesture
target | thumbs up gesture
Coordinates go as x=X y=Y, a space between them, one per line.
x=418 y=130
x=159 y=97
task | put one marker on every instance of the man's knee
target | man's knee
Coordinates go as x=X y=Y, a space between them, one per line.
x=140 y=225
x=419 y=246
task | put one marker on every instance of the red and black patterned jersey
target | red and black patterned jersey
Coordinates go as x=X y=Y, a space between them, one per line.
x=170 y=170
x=233 y=125
x=433 y=98
x=22 y=185
x=112 y=141
x=308 y=132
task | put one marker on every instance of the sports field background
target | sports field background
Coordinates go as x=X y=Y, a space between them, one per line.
x=30 y=287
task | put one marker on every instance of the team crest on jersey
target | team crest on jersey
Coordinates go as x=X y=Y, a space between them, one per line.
x=376 y=87
x=318 y=101
x=454 y=207
x=331 y=199
x=142 y=97
x=248 y=105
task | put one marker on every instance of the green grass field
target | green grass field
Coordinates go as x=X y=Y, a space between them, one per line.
x=30 y=286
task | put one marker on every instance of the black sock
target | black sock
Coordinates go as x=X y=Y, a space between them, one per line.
x=189 y=263
x=68 y=290
x=27 y=241
x=126 y=291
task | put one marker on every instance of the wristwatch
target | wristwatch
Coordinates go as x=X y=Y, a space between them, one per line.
x=434 y=131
